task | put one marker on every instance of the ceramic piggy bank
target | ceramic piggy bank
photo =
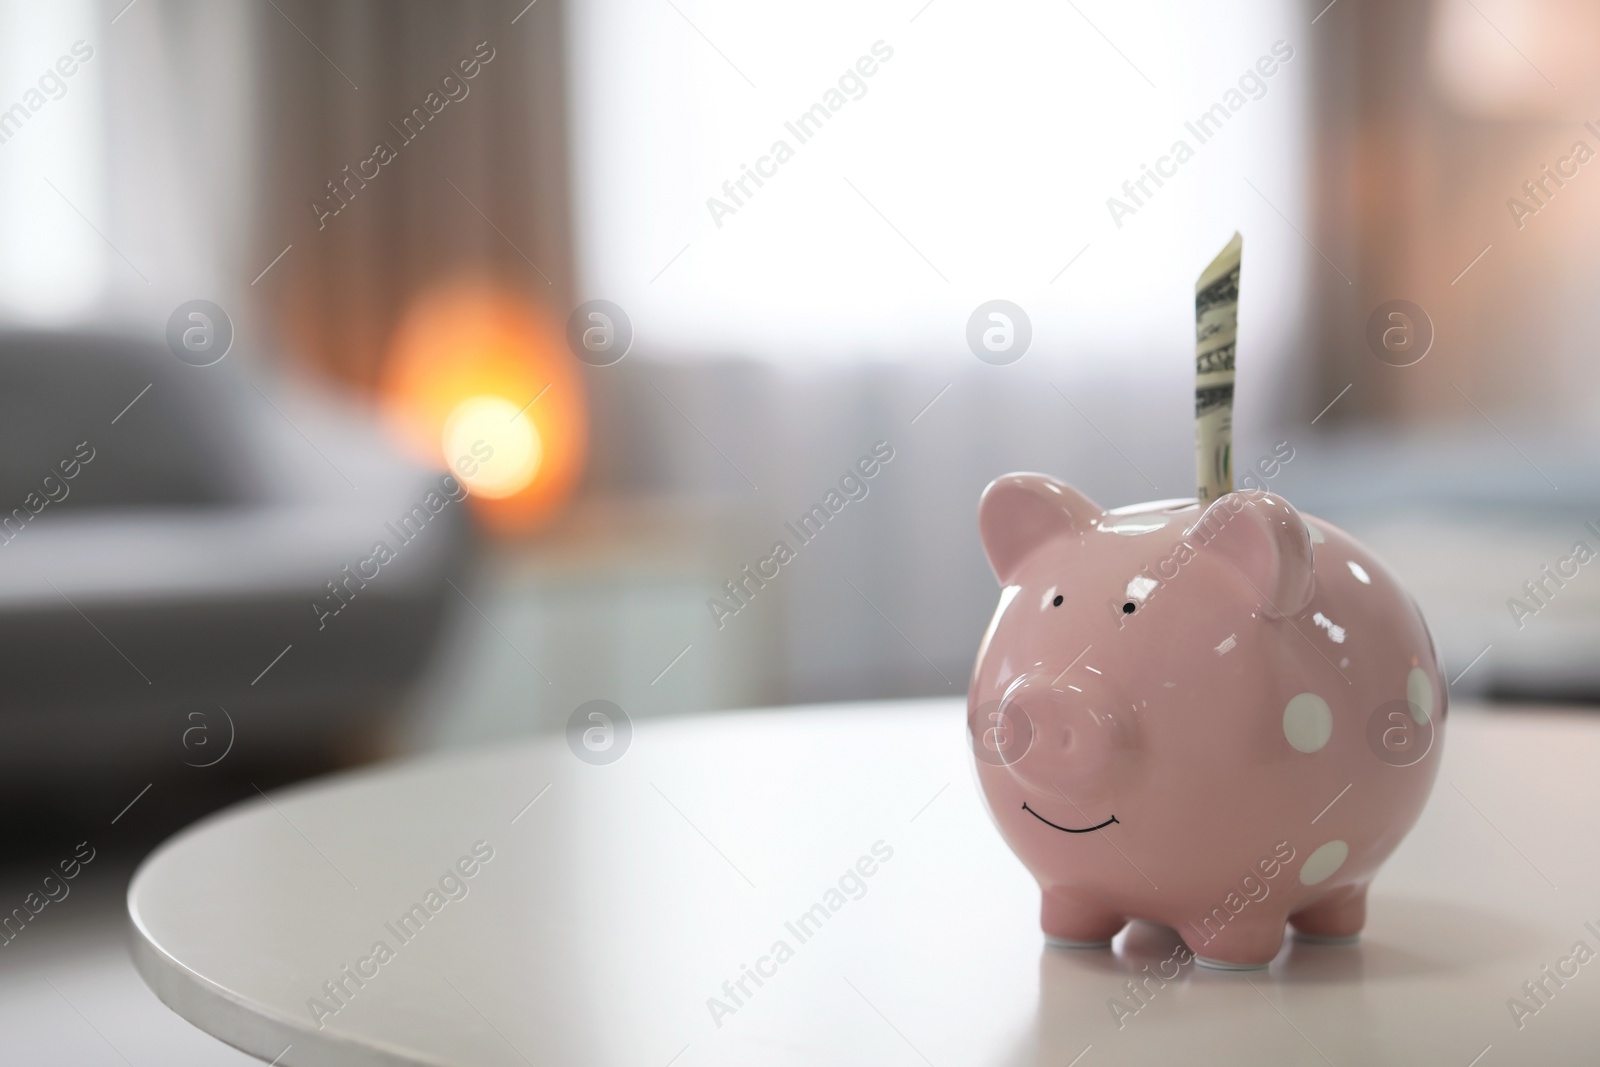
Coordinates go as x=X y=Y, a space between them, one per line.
x=1219 y=720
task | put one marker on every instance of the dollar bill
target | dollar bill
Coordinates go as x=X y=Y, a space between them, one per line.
x=1216 y=328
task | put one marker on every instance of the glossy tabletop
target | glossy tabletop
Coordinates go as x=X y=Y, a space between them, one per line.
x=824 y=886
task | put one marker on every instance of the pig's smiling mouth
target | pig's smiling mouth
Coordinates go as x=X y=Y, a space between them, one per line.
x=1067 y=829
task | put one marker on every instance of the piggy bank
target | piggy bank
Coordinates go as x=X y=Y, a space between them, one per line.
x=1221 y=720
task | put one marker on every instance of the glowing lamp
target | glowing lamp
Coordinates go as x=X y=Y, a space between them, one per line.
x=480 y=381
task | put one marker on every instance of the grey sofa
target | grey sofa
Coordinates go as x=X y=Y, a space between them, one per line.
x=168 y=534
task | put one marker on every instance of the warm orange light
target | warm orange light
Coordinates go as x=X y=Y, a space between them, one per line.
x=502 y=442
x=479 y=379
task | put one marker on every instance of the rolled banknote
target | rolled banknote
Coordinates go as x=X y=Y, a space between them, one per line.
x=1216 y=326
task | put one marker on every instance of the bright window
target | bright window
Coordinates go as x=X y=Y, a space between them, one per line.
x=974 y=163
x=53 y=265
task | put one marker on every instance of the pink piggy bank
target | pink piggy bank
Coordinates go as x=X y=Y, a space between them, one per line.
x=1218 y=721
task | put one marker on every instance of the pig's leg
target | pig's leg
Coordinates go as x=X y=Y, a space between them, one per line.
x=1337 y=917
x=1074 y=919
x=1247 y=943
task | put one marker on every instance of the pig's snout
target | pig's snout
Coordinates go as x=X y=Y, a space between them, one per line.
x=1081 y=741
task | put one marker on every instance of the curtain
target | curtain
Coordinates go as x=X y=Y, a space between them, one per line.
x=404 y=144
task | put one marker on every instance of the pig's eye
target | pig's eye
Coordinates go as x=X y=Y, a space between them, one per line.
x=1057 y=601
x=1129 y=608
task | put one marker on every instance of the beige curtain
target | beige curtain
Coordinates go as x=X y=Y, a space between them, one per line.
x=404 y=144
x=1428 y=119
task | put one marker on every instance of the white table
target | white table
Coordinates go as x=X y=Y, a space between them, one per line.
x=625 y=897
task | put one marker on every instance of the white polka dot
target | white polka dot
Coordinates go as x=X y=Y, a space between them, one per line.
x=1307 y=722
x=1323 y=862
x=1360 y=572
x=1419 y=694
x=1316 y=534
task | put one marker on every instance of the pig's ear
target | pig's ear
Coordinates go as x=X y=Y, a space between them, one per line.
x=1019 y=512
x=1265 y=538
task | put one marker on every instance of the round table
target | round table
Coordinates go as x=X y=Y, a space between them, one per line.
x=823 y=886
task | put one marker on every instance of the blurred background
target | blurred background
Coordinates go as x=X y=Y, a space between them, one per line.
x=276 y=266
